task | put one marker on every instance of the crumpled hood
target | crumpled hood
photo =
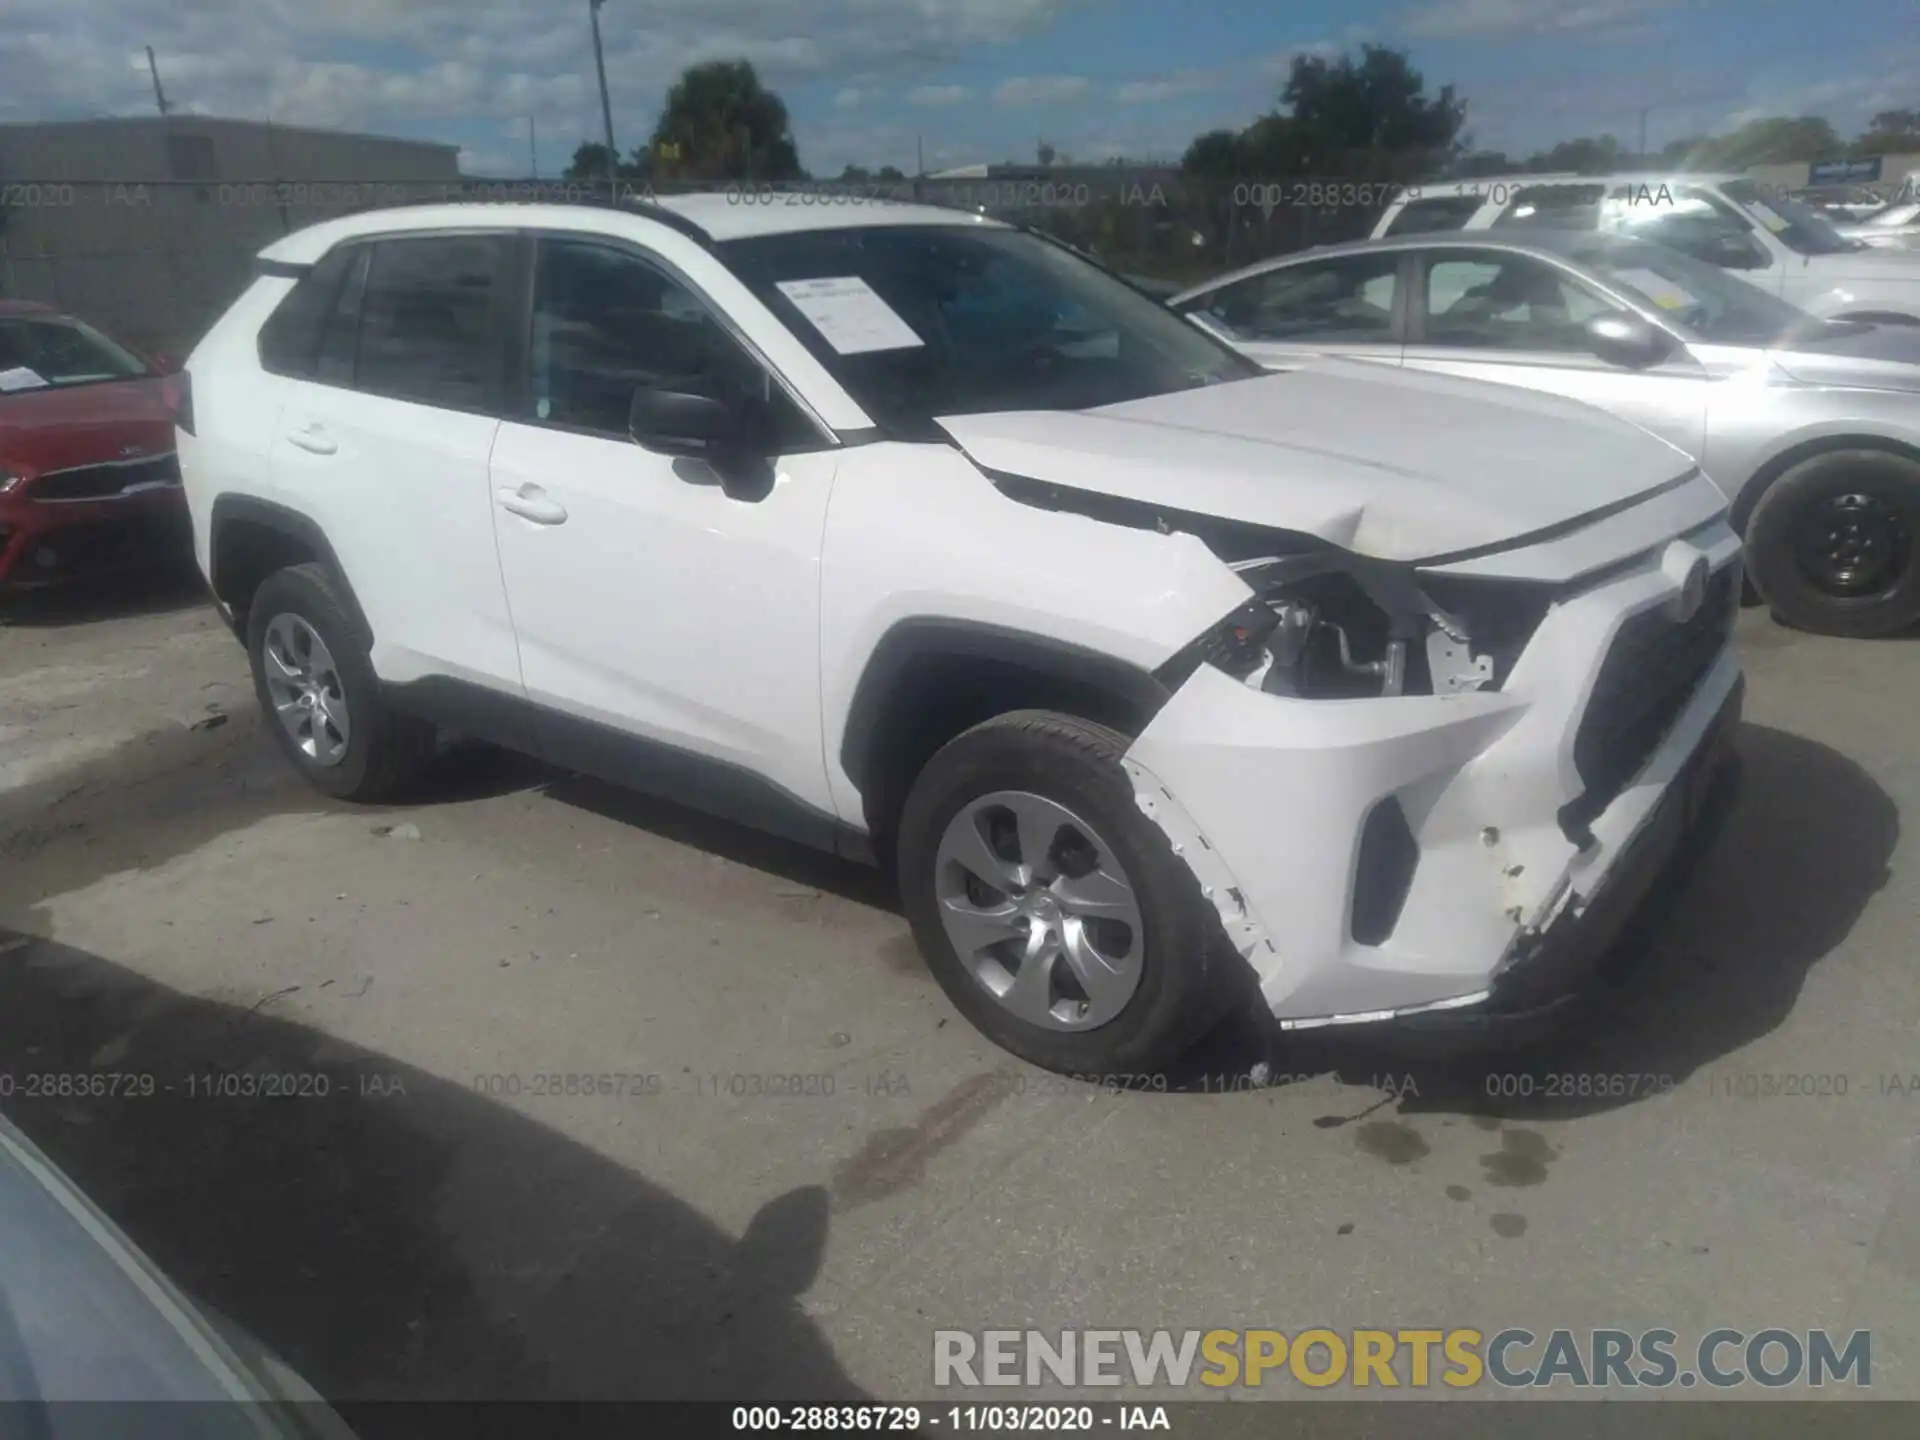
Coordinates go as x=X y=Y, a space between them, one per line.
x=1396 y=464
x=1867 y=357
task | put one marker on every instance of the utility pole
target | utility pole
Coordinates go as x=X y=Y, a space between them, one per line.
x=606 y=105
x=1643 y=132
x=159 y=95
x=533 y=147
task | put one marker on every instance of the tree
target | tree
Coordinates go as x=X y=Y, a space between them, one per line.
x=590 y=163
x=1770 y=140
x=720 y=123
x=1891 y=132
x=1375 y=103
x=1044 y=154
x=1587 y=155
x=1214 y=155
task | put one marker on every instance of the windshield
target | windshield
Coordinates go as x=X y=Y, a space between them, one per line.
x=41 y=351
x=1793 y=224
x=923 y=321
x=1702 y=299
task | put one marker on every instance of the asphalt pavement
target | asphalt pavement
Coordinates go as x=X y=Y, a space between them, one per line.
x=792 y=1161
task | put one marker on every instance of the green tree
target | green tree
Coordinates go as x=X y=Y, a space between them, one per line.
x=590 y=163
x=1377 y=102
x=721 y=123
x=1891 y=132
x=1587 y=155
x=1770 y=140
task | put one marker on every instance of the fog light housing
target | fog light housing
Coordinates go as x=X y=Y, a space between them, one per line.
x=1383 y=877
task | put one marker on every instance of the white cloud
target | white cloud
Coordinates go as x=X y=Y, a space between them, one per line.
x=848 y=99
x=1159 y=89
x=1043 y=90
x=1453 y=19
x=935 y=96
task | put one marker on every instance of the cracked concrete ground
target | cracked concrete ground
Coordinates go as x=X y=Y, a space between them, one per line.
x=796 y=1161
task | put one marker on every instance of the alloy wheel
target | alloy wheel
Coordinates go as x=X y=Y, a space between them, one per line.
x=1040 y=910
x=309 y=698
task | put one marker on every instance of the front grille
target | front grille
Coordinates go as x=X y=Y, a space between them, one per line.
x=1648 y=677
x=106 y=482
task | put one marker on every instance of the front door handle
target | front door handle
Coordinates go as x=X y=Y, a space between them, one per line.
x=530 y=502
x=313 y=439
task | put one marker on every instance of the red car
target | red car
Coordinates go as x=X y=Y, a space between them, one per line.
x=88 y=478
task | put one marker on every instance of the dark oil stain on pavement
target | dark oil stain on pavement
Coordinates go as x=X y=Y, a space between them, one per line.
x=1459 y=1192
x=1391 y=1141
x=1521 y=1159
x=896 y=1159
x=1508 y=1226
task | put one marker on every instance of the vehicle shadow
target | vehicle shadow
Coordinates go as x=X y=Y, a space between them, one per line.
x=1714 y=959
x=400 y=1236
x=157 y=590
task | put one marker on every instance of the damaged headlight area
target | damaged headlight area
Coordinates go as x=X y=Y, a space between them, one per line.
x=1333 y=626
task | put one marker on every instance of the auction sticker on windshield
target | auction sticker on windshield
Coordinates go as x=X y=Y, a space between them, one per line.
x=1765 y=216
x=849 y=316
x=21 y=378
x=1657 y=288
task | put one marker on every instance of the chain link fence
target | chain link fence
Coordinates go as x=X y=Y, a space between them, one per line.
x=157 y=261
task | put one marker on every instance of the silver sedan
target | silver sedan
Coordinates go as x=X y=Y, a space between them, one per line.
x=1811 y=427
x=1895 y=228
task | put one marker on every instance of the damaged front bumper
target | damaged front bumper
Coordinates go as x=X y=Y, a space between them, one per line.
x=1435 y=861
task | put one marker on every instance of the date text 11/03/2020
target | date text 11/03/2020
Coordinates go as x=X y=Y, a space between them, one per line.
x=913 y=1419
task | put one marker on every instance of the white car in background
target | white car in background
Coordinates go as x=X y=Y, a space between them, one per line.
x=1730 y=221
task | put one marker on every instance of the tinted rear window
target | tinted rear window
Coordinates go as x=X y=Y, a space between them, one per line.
x=1553 y=207
x=1440 y=212
x=291 y=336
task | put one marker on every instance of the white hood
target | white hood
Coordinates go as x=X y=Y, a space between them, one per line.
x=1396 y=464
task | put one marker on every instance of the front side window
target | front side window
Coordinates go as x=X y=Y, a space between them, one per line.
x=1345 y=301
x=41 y=351
x=427 y=331
x=922 y=321
x=1491 y=301
x=606 y=323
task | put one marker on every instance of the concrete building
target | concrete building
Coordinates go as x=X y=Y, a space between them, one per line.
x=148 y=226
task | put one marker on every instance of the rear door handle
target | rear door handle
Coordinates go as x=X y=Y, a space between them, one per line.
x=530 y=502
x=313 y=439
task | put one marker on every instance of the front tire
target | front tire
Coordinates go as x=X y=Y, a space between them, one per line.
x=1832 y=544
x=1050 y=909
x=319 y=694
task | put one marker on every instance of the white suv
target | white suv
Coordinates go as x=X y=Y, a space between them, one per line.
x=1767 y=238
x=919 y=537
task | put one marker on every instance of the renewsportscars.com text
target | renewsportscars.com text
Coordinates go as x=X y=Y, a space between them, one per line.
x=1722 y=1358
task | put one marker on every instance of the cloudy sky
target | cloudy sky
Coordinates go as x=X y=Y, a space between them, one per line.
x=869 y=80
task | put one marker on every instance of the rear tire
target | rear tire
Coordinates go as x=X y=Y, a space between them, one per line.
x=1834 y=544
x=319 y=694
x=1120 y=907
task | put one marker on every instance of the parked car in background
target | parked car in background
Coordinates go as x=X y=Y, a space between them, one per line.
x=96 y=1341
x=1812 y=427
x=1727 y=221
x=906 y=533
x=89 y=482
x=1895 y=228
x=1843 y=204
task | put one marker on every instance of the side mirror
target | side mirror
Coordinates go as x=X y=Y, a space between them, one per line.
x=679 y=422
x=1627 y=340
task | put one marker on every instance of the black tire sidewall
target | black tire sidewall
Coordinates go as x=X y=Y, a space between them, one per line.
x=1775 y=567
x=1180 y=939
x=296 y=592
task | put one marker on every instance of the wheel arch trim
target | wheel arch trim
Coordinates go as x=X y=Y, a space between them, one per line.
x=1799 y=451
x=918 y=640
x=269 y=515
